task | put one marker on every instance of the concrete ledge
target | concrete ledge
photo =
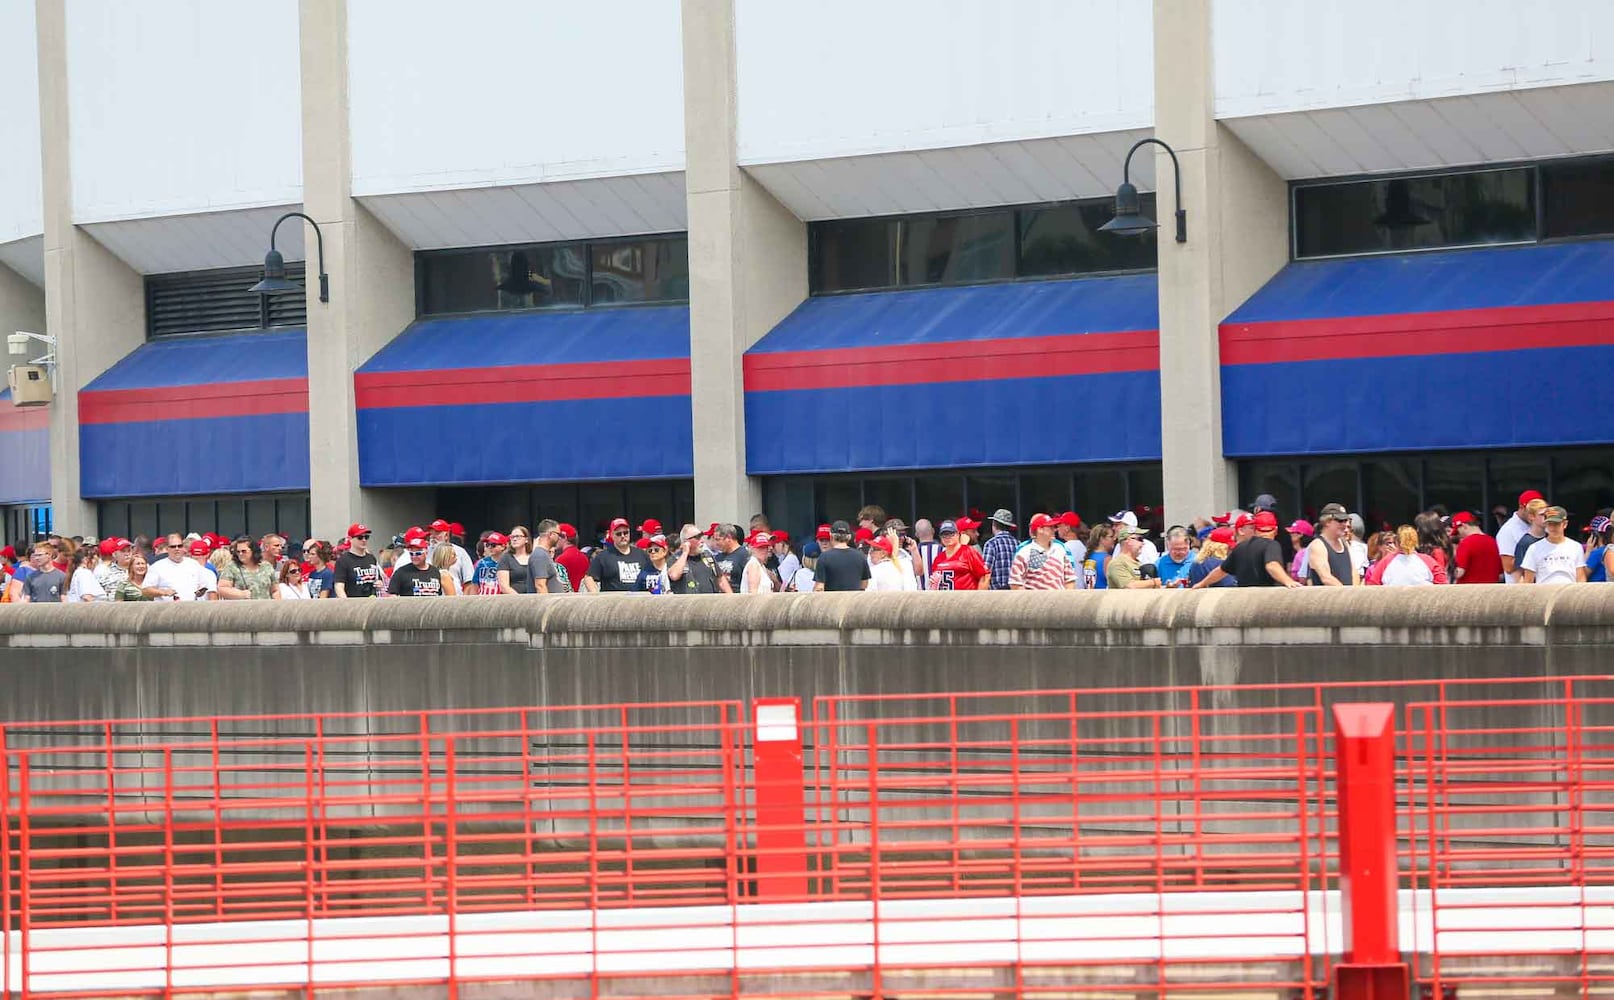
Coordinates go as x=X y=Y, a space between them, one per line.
x=122 y=660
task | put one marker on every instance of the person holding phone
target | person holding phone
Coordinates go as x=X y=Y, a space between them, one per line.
x=692 y=570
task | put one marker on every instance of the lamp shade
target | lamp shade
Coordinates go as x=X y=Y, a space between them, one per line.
x=274 y=276
x=1129 y=217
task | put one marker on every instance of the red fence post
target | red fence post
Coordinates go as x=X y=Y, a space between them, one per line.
x=1364 y=776
x=780 y=799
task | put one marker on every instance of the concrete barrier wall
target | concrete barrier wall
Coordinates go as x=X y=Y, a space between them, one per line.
x=149 y=660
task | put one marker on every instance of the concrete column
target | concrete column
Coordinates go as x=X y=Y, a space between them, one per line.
x=95 y=304
x=747 y=263
x=1238 y=237
x=372 y=290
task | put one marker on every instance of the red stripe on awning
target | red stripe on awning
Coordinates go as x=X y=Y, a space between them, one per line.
x=194 y=402
x=1463 y=331
x=954 y=361
x=522 y=383
x=23 y=418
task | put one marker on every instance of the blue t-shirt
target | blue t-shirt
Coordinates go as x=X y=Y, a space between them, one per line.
x=322 y=582
x=1200 y=570
x=1595 y=573
x=487 y=575
x=1171 y=571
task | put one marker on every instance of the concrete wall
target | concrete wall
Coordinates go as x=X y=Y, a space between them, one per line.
x=497 y=92
x=213 y=86
x=20 y=214
x=125 y=660
x=847 y=78
x=1274 y=55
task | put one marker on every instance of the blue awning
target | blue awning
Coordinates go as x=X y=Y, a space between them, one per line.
x=589 y=394
x=1456 y=349
x=199 y=415
x=984 y=375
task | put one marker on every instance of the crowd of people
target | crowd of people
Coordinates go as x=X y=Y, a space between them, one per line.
x=1250 y=547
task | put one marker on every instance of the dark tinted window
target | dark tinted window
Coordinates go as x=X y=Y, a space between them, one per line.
x=951 y=248
x=554 y=275
x=1064 y=239
x=641 y=271
x=855 y=253
x=1415 y=213
x=957 y=249
x=1577 y=198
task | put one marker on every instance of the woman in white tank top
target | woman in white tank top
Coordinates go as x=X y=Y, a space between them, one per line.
x=755 y=579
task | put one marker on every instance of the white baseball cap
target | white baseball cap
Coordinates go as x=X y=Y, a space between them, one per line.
x=1125 y=517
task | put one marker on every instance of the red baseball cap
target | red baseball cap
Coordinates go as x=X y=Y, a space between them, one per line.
x=761 y=538
x=1529 y=495
x=1223 y=535
x=342 y=546
x=567 y=531
x=968 y=524
x=658 y=540
x=199 y=548
x=619 y=522
x=9 y=552
x=823 y=532
x=781 y=536
x=1043 y=521
x=651 y=526
x=354 y=530
x=441 y=525
x=643 y=542
x=883 y=544
x=494 y=538
x=1243 y=520
x=456 y=528
x=1226 y=518
x=711 y=529
x=416 y=532
x=416 y=543
x=1301 y=526
x=1463 y=517
x=862 y=535
x=1266 y=520
x=1070 y=519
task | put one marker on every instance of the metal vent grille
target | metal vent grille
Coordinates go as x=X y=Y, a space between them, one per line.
x=217 y=301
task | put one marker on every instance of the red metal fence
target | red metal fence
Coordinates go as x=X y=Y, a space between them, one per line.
x=1092 y=842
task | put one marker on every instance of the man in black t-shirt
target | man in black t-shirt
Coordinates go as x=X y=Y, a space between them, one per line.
x=357 y=574
x=692 y=571
x=731 y=558
x=416 y=578
x=840 y=567
x=1255 y=562
x=618 y=567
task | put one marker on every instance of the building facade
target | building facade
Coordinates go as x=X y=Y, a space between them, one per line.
x=706 y=257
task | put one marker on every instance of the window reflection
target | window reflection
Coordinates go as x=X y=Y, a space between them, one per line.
x=554 y=275
x=949 y=250
x=1415 y=213
x=1065 y=239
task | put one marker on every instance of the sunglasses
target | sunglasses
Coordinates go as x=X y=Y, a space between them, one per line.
x=365 y=536
x=624 y=532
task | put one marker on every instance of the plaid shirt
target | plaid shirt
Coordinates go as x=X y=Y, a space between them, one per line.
x=998 y=553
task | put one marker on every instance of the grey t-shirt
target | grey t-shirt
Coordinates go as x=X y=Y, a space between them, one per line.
x=542 y=567
x=45 y=586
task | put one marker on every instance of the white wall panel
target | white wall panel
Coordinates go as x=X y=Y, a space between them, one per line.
x=492 y=92
x=182 y=106
x=21 y=204
x=1274 y=56
x=839 y=78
